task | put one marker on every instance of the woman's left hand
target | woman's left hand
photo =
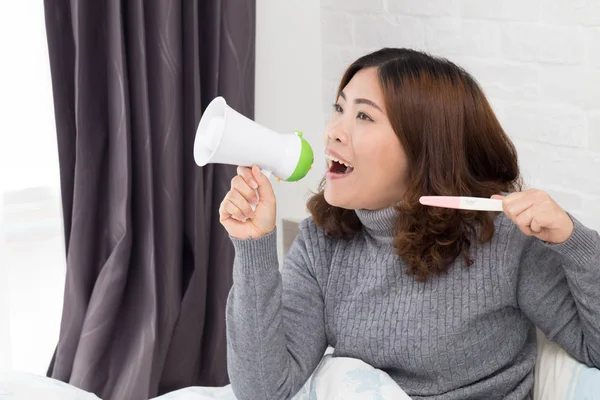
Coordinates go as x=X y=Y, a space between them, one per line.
x=536 y=214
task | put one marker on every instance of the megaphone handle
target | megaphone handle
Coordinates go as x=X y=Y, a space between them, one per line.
x=268 y=175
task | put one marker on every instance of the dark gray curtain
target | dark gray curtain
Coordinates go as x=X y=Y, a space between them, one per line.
x=148 y=264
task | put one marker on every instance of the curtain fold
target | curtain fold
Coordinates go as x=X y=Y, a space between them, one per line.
x=148 y=264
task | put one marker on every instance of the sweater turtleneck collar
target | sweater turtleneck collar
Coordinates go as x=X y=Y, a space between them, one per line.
x=379 y=223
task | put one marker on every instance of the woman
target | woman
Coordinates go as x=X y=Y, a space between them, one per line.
x=444 y=301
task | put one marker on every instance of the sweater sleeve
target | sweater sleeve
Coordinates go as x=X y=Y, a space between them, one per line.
x=559 y=290
x=275 y=321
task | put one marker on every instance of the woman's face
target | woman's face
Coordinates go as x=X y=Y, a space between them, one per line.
x=371 y=173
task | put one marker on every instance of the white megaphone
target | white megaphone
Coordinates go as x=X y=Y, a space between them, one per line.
x=225 y=136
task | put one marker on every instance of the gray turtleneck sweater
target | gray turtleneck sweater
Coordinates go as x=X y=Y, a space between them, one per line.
x=467 y=334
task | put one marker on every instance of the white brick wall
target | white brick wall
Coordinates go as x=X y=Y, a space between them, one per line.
x=537 y=60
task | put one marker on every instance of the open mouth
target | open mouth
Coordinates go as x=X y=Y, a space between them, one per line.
x=339 y=167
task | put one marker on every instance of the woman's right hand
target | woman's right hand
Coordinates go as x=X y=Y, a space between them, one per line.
x=235 y=212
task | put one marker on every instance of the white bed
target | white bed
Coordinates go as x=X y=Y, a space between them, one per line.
x=558 y=377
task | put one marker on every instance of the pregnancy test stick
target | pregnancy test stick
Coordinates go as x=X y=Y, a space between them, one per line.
x=462 y=203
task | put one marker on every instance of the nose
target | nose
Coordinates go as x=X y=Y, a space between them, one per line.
x=337 y=133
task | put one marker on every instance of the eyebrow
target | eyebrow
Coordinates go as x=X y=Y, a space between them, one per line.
x=362 y=101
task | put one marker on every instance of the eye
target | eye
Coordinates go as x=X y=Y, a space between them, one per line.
x=361 y=115
x=338 y=108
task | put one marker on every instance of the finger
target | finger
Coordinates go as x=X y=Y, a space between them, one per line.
x=241 y=203
x=225 y=211
x=265 y=189
x=497 y=197
x=516 y=203
x=523 y=222
x=509 y=198
x=235 y=212
x=536 y=226
x=524 y=219
x=526 y=230
x=228 y=210
x=246 y=173
x=238 y=183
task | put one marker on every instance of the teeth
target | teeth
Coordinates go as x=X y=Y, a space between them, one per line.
x=329 y=157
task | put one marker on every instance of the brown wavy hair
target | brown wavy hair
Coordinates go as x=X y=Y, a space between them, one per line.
x=454 y=146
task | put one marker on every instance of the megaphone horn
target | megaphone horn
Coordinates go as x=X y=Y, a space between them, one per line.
x=225 y=136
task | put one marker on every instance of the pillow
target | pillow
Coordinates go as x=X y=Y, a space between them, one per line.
x=351 y=379
x=558 y=376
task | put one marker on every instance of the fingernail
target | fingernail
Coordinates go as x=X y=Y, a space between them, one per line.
x=254 y=201
x=253 y=184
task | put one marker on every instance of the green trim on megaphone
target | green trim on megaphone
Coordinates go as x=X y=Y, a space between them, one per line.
x=305 y=161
